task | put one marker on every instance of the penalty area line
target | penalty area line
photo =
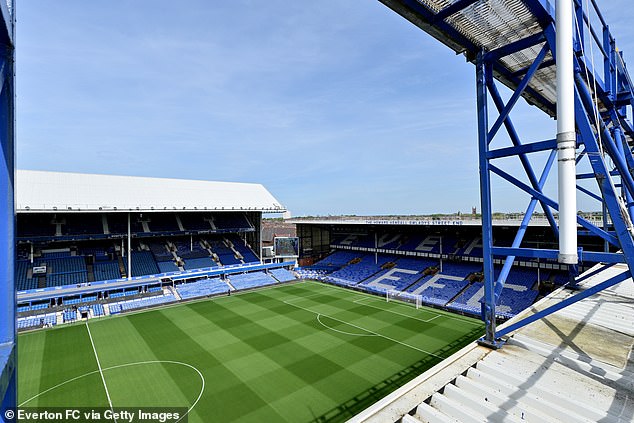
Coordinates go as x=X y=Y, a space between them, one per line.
x=367 y=330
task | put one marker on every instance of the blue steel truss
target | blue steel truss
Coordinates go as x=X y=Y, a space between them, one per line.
x=512 y=42
x=8 y=335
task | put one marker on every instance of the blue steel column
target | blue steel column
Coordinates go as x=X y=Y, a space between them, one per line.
x=488 y=304
x=8 y=335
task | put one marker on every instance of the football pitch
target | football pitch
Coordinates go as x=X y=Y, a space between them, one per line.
x=298 y=353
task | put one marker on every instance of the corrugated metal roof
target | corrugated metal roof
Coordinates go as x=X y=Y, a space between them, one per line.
x=489 y=25
x=575 y=365
x=40 y=191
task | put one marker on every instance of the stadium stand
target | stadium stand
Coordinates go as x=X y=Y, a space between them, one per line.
x=142 y=263
x=123 y=293
x=202 y=288
x=460 y=269
x=244 y=250
x=195 y=221
x=160 y=251
x=224 y=253
x=66 y=270
x=231 y=221
x=251 y=280
x=363 y=269
x=75 y=301
x=519 y=277
x=144 y=302
x=283 y=275
x=442 y=290
x=36 y=226
x=406 y=272
x=199 y=263
x=97 y=310
x=106 y=270
x=163 y=222
x=23 y=282
x=82 y=224
x=70 y=315
x=167 y=266
x=469 y=300
x=335 y=261
x=38 y=321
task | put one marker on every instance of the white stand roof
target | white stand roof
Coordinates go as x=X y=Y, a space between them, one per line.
x=40 y=191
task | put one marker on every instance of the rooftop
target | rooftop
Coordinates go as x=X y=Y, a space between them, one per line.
x=41 y=191
x=574 y=365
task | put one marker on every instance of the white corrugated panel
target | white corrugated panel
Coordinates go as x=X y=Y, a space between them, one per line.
x=51 y=191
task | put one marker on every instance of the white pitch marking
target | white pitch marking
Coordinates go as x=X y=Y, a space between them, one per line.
x=100 y=370
x=396 y=312
x=200 y=394
x=367 y=330
x=341 y=331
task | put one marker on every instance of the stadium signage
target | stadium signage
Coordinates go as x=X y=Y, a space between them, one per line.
x=416 y=222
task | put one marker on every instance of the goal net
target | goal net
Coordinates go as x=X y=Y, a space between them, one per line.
x=404 y=297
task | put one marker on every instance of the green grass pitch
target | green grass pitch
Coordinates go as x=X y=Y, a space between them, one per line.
x=298 y=353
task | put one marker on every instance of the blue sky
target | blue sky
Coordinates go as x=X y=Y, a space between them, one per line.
x=335 y=106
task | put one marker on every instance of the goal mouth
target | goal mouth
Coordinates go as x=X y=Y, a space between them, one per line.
x=403 y=297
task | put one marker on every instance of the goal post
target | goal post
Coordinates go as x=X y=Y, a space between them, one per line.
x=405 y=297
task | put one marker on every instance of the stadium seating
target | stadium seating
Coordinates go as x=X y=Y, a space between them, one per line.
x=74 y=301
x=195 y=221
x=442 y=291
x=519 y=276
x=68 y=270
x=106 y=270
x=512 y=301
x=70 y=315
x=365 y=268
x=36 y=321
x=202 y=288
x=226 y=256
x=56 y=254
x=35 y=225
x=114 y=308
x=82 y=224
x=145 y=302
x=233 y=221
x=33 y=307
x=160 y=251
x=247 y=254
x=251 y=280
x=163 y=222
x=335 y=261
x=123 y=293
x=167 y=266
x=282 y=275
x=142 y=264
x=23 y=283
x=199 y=263
x=97 y=310
x=460 y=269
x=469 y=300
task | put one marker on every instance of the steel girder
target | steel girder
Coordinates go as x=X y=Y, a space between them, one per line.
x=8 y=335
x=603 y=96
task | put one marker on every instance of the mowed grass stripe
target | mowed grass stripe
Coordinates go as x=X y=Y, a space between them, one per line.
x=226 y=393
x=118 y=342
x=67 y=354
x=263 y=359
x=297 y=350
x=431 y=336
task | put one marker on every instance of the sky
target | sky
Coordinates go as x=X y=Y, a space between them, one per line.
x=337 y=107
